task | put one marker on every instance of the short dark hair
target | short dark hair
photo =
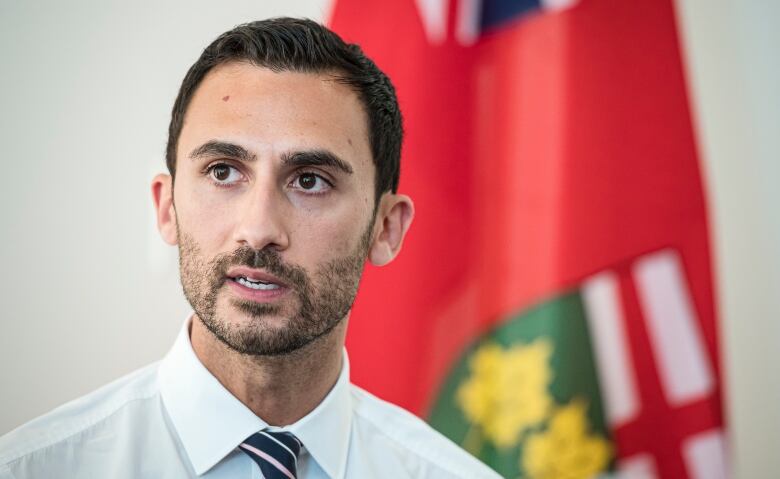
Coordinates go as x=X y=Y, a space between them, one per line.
x=302 y=45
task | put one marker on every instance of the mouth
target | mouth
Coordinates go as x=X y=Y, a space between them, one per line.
x=255 y=284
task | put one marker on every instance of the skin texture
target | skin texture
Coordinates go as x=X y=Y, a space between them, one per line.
x=311 y=226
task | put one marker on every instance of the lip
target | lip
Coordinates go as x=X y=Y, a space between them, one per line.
x=255 y=295
x=255 y=274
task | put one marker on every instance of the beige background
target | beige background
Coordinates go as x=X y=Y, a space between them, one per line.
x=85 y=94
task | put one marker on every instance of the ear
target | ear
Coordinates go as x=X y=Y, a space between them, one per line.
x=394 y=219
x=162 y=194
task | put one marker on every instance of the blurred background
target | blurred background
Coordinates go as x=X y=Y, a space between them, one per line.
x=675 y=100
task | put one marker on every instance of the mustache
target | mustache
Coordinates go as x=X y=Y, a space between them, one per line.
x=267 y=259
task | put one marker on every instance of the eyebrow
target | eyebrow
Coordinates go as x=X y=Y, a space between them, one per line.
x=222 y=148
x=316 y=158
x=296 y=159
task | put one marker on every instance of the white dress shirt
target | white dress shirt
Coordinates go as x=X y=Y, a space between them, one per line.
x=173 y=419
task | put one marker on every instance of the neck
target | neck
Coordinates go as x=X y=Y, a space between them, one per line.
x=278 y=389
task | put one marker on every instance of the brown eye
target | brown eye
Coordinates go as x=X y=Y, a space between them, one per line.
x=221 y=172
x=308 y=181
x=224 y=175
x=311 y=183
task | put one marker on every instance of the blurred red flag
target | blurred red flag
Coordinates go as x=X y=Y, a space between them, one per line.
x=561 y=229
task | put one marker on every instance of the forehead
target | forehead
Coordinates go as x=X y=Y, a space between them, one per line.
x=271 y=112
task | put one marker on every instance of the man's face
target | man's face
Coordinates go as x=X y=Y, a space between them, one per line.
x=274 y=205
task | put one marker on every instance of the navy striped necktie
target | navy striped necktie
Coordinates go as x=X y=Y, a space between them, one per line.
x=275 y=452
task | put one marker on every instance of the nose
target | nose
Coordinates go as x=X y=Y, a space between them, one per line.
x=261 y=219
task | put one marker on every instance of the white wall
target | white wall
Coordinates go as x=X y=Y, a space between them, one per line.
x=85 y=94
x=734 y=70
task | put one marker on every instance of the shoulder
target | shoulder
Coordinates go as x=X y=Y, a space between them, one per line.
x=67 y=422
x=418 y=442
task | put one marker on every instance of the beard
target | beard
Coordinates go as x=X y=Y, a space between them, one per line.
x=321 y=301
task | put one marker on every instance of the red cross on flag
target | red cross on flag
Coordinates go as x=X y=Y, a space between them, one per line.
x=552 y=310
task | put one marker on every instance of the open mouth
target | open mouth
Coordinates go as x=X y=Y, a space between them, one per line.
x=256 y=284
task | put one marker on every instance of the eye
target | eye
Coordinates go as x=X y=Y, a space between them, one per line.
x=224 y=174
x=311 y=182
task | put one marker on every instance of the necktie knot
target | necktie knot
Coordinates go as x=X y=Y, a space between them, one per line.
x=275 y=452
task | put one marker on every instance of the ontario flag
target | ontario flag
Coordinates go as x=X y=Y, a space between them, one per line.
x=552 y=310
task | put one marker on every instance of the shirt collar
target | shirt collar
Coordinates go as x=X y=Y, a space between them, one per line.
x=211 y=422
x=324 y=432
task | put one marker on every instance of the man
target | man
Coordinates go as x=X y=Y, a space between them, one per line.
x=283 y=154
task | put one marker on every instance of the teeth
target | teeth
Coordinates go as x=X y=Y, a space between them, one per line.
x=253 y=280
x=256 y=284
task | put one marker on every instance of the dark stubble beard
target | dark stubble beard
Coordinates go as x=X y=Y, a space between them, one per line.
x=323 y=302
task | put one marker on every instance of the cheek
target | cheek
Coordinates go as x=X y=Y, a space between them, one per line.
x=330 y=236
x=205 y=220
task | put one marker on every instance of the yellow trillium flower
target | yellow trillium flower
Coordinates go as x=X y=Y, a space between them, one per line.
x=567 y=449
x=507 y=390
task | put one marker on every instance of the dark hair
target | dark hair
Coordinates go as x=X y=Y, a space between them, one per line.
x=301 y=45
